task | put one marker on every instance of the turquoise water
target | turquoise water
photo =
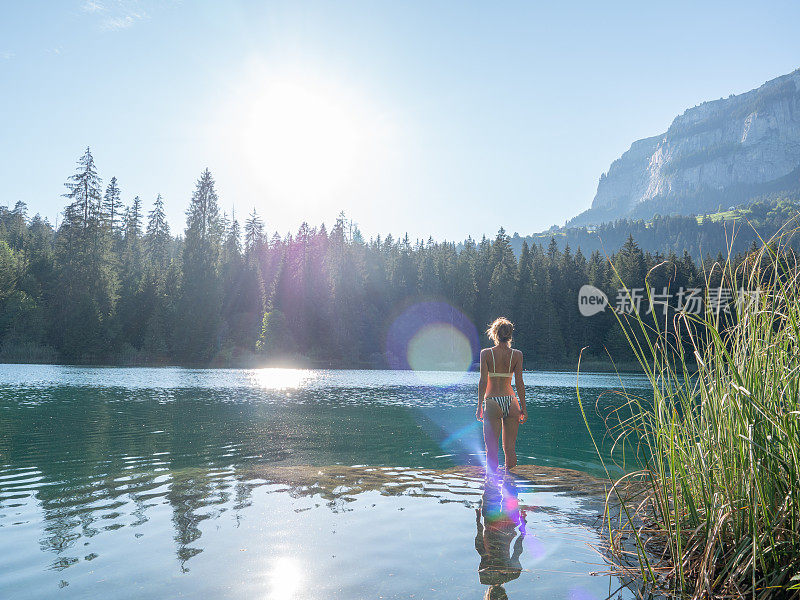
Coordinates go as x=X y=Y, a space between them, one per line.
x=142 y=483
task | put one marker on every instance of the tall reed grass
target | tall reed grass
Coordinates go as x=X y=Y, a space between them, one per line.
x=717 y=511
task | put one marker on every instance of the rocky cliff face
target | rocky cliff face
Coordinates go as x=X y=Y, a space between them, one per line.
x=719 y=153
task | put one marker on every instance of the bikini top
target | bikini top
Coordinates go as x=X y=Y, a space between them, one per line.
x=494 y=365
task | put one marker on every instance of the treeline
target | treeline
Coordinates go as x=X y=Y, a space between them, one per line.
x=113 y=285
x=701 y=237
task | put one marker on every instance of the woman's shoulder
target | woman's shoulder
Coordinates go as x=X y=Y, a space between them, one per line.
x=485 y=352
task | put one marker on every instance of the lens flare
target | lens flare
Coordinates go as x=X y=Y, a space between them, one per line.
x=431 y=339
x=439 y=347
x=462 y=435
x=579 y=593
x=535 y=548
x=511 y=503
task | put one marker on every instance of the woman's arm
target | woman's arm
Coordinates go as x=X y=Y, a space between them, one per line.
x=520 y=390
x=482 y=387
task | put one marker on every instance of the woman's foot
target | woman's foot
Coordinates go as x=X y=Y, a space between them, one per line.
x=495 y=477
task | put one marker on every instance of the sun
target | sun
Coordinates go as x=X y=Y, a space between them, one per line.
x=302 y=140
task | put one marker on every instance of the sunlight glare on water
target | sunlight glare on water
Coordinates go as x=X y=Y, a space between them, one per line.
x=281 y=379
x=285 y=579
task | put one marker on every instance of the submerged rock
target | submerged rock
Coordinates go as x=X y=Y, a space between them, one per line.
x=453 y=484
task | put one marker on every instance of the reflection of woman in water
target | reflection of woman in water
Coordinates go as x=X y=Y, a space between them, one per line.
x=498 y=406
x=502 y=518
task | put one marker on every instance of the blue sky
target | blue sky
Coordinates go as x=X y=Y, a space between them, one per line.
x=446 y=119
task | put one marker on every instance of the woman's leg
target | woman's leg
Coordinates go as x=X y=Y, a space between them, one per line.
x=492 y=424
x=510 y=429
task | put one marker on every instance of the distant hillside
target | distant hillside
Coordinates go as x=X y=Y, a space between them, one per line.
x=701 y=236
x=716 y=155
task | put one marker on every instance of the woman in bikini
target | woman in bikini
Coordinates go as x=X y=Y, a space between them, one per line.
x=498 y=406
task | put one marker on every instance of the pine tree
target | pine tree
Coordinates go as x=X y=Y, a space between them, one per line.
x=157 y=238
x=86 y=281
x=133 y=222
x=547 y=329
x=157 y=294
x=112 y=204
x=203 y=223
x=524 y=301
x=483 y=275
x=253 y=232
x=134 y=306
x=84 y=192
x=405 y=276
x=9 y=267
x=132 y=245
x=429 y=284
x=464 y=287
x=15 y=226
x=200 y=291
x=502 y=285
x=631 y=265
x=233 y=240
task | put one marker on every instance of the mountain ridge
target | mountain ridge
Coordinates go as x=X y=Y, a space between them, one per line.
x=719 y=153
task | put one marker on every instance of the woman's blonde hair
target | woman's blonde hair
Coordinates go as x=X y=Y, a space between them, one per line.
x=501 y=330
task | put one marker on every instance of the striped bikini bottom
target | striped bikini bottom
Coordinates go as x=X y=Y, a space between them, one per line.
x=504 y=402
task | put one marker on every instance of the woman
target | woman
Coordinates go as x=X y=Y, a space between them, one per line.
x=498 y=406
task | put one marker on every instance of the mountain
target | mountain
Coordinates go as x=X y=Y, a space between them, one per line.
x=716 y=155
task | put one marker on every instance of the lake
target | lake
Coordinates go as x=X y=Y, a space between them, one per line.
x=281 y=483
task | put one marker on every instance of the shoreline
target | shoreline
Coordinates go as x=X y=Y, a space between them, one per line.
x=246 y=360
x=594 y=366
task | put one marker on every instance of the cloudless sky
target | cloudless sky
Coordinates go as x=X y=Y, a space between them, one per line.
x=441 y=119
